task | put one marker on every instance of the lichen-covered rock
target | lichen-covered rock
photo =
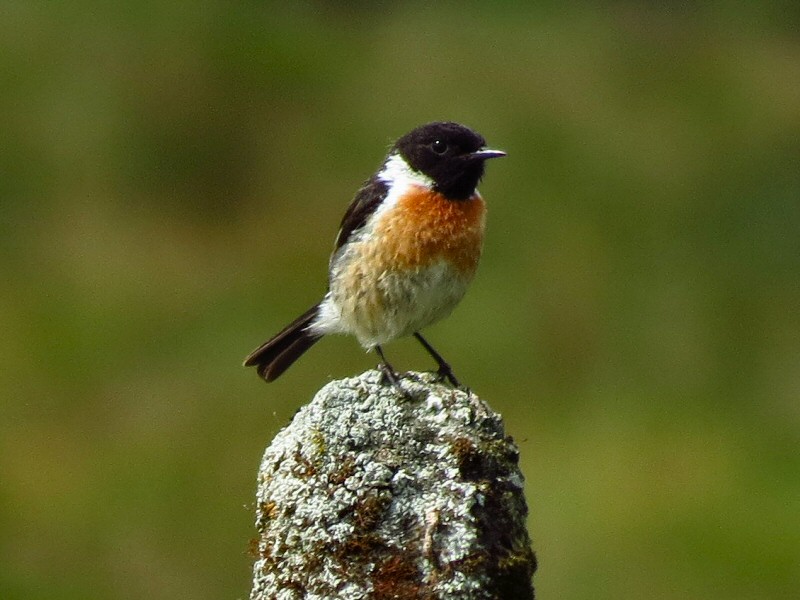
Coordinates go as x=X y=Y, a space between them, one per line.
x=372 y=494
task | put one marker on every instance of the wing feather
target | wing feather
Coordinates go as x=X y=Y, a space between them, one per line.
x=364 y=204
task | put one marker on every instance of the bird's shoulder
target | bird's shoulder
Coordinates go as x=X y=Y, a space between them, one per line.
x=364 y=204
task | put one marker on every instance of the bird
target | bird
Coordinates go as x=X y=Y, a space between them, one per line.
x=407 y=248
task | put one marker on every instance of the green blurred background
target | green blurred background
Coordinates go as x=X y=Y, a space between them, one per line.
x=172 y=175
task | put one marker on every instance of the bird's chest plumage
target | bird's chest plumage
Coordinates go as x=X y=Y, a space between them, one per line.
x=409 y=266
x=424 y=227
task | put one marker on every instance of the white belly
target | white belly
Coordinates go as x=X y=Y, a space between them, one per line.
x=390 y=304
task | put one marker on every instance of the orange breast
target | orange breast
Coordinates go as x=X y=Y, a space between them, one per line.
x=425 y=227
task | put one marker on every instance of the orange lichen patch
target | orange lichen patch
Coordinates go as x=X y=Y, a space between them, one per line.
x=425 y=226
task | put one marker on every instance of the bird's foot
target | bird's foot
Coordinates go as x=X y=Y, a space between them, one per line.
x=390 y=376
x=445 y=372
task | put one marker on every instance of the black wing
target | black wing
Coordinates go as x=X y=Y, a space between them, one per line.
x=363 y=205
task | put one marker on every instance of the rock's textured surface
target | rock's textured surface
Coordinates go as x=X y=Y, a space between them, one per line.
x=371 y=494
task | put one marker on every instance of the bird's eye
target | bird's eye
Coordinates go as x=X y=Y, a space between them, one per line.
x=439 y=147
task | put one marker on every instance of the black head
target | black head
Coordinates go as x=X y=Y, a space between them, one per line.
x=450 y=154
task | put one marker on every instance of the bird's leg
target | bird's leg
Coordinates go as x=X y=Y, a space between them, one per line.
x=444 y=368
x=388 y=372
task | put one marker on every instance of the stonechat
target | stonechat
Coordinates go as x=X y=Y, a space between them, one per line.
x=407 y=248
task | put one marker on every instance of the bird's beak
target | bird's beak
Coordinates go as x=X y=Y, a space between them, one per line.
x=487 y=153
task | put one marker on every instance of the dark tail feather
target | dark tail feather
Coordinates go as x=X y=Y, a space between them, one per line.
x=276 y=355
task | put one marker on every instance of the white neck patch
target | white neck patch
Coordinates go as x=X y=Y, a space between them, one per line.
x=400 y=178
x=397 y=172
